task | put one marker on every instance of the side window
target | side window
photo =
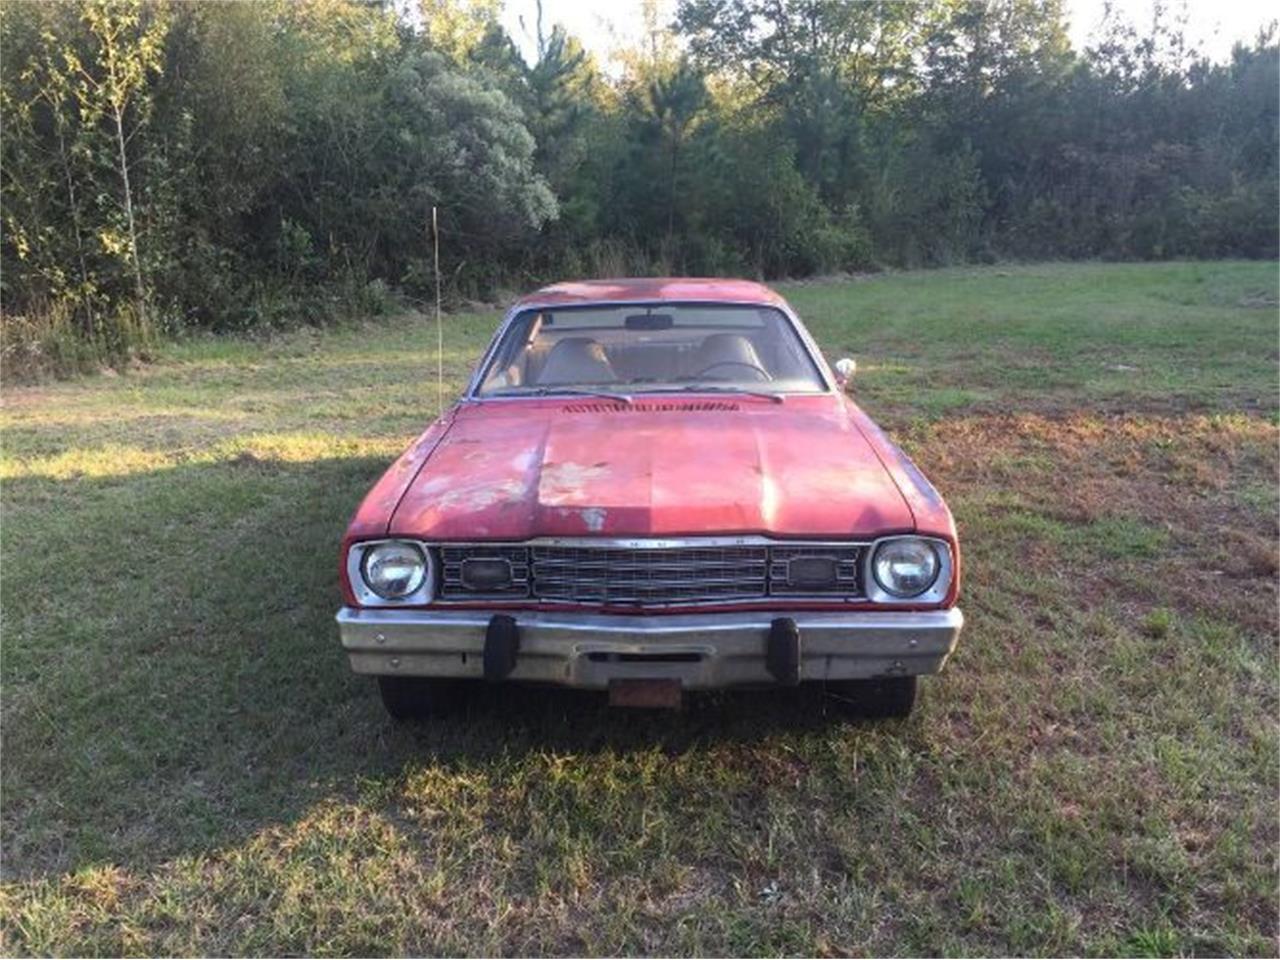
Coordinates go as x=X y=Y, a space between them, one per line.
x=508 y=368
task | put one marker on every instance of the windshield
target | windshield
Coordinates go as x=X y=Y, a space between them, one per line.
x=653 y=348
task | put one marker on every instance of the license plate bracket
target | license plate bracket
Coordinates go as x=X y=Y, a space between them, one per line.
x=657 y=693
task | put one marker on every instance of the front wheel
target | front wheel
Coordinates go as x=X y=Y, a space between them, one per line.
x=874 y=698
x=409 y=698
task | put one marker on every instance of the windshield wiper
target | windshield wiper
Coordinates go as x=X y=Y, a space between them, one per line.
x=712 y=388
x=567 y=391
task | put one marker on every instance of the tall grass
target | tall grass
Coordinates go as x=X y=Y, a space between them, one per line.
x=52 y=340
x=49 y=341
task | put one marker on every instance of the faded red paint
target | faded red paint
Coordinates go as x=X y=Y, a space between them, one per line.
x=813 y=467
x=932 y=517
x=370 y=519
x=516 y=469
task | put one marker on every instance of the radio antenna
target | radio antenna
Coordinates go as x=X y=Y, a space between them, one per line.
x=435 y=237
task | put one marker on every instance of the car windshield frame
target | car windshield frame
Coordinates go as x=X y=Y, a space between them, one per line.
x=822 y=384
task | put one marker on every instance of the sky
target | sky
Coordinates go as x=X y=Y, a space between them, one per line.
x=605 y=25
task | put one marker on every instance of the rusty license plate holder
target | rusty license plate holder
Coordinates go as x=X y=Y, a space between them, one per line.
x=658 y=693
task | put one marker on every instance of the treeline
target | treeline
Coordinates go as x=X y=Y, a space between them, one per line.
x=232 y=166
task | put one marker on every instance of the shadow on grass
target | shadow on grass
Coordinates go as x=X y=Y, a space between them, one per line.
x=501 y=718
x=174 y=683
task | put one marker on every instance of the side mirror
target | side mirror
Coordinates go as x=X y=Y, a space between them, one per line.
x=845 y=369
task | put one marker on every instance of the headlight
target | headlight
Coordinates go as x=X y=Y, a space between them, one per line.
x=394 y=570
x=905 y=567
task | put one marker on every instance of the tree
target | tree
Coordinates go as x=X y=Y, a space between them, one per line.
x=455 y=28
x=821 y=67
x=463 y=146
x=44 y=175
x=129 y=41
x=239 y=165
x=671 y=102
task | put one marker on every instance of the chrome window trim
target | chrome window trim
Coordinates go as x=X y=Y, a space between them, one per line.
x=935 y=594
x=366 y=596
x=472 y=393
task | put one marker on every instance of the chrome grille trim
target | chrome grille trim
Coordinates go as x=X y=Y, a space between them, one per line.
x=846 y=557
x=606 y=574
x=653 y=572
x=452 y=556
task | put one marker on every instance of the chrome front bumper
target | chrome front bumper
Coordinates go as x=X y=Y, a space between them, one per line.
x=701 y=650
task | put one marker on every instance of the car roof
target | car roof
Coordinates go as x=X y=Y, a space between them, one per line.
x=644 y=289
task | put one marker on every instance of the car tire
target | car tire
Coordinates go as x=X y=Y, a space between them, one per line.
x=412 y=698
x=876 y=698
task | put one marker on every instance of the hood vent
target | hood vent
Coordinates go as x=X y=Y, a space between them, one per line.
x=654 y=406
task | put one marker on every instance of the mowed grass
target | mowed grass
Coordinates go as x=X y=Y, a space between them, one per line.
x=189 y=767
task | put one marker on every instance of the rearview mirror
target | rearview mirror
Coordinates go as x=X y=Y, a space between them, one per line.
x=650 y=321
x=845 y=369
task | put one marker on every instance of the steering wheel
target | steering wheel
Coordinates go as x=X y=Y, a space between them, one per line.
x=760 y=373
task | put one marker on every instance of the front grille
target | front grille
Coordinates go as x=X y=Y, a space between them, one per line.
x=666 y=575
x=650 y=576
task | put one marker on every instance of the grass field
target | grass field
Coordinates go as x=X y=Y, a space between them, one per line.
x=189 y=767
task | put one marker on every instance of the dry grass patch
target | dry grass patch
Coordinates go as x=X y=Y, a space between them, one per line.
x=1169 y=502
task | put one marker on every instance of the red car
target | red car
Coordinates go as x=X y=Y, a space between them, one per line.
x=652 y=486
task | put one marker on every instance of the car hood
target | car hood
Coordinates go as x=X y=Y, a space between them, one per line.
x=517 y=469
